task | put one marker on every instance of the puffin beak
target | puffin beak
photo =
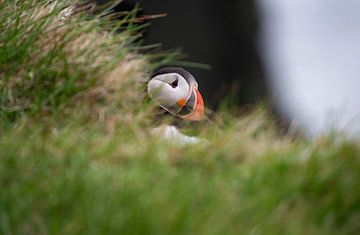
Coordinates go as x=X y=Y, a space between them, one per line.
x=181 y=103
x=199 y=108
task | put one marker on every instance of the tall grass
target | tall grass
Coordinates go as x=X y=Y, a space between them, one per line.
x=77 y=155
x=48 y=62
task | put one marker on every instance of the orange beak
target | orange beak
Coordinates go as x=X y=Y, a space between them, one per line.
x=199 y=108
x=181 y=102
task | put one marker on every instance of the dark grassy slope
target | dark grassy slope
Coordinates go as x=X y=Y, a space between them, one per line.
x=77 y=156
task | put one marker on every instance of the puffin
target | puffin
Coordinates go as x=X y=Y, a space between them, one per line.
x=176 y=90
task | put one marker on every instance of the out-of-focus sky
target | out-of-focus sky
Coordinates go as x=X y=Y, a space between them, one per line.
x=312 y=51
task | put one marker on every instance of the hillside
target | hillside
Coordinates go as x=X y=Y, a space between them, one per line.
x=77 y=155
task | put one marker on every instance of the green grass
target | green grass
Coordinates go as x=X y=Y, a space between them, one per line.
x=77 y=155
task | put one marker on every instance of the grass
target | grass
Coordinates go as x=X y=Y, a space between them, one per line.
x=77 y=155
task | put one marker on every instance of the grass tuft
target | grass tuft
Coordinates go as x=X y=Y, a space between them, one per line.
x=49 y=62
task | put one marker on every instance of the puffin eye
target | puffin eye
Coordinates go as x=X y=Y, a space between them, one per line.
x=175 y=83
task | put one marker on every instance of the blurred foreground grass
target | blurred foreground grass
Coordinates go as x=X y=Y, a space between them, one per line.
x=77 y=156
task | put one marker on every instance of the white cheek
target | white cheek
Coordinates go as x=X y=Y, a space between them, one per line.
x=163 y=94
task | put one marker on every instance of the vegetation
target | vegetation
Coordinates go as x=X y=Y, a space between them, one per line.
x=77 y=155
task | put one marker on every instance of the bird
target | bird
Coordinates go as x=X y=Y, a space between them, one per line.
x=176 y=90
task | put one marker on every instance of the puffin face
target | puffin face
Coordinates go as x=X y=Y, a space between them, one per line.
x=175 y=90
x=168 y=89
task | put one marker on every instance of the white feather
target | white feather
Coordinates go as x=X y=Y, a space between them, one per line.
x=172 y=134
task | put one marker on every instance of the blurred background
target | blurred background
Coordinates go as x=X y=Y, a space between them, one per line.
x=302 y=56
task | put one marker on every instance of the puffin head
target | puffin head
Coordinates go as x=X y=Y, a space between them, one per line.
x=176 y=90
